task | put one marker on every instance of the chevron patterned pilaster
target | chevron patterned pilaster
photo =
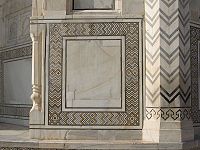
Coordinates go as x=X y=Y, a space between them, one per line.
x=167 y=53
x=174 y=51
x=152 y=13
x=168 y=81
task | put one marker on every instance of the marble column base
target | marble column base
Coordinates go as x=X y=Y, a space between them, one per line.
x=168 y=131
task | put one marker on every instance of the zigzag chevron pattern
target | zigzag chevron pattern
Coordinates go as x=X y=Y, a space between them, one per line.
x=167 y=50
x=152 y=50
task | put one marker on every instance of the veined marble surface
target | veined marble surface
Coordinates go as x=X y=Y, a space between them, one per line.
x=17 y=81
x=93 y=71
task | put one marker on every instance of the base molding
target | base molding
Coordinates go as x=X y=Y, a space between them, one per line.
x=96 y=144
x=93 y=134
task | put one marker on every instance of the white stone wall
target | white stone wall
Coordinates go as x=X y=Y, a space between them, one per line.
x=15 y=70
x=14 y=20
x=52 y=9
x=17 y=81
x=60 y=23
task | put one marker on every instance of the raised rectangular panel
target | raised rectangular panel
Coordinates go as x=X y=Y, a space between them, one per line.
x=94 y=73
x=17 y=81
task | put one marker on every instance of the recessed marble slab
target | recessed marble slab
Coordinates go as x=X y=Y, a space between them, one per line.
x=17 y=81
x=94 y=73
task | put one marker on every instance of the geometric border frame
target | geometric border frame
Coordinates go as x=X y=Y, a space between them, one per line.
x=194 y=41
x=131 y=29
x=17 y=111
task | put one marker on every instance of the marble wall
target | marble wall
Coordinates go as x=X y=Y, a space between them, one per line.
x=17 y=87
x=15 y=26
x=15 y=51
x=76 y=64
x=50 y=9
x=91 y=77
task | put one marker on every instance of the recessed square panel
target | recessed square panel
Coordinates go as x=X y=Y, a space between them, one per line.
x=94 y=74
x=17 y=81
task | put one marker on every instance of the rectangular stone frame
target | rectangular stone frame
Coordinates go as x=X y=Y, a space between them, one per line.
x=194 y=40
x=131 y=29
x=16 y=111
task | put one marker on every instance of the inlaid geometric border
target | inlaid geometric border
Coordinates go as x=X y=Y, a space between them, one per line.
x=168 y=114
x=194 y=39
x=16 y=53
x=9 y=110
x=126 y=120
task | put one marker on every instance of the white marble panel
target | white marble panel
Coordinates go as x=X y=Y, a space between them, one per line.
x=93 y=73
x=17 y=81
x=94 y=4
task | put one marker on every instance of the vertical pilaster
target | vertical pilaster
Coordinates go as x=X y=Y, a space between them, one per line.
x=152 y=19
x=1 y=45
x=38 y=47
x=168 y=83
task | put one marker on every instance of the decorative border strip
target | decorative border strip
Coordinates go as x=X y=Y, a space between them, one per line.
x=194 y=40
x=16 y=53
x=15 y=111
x=168 y=113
